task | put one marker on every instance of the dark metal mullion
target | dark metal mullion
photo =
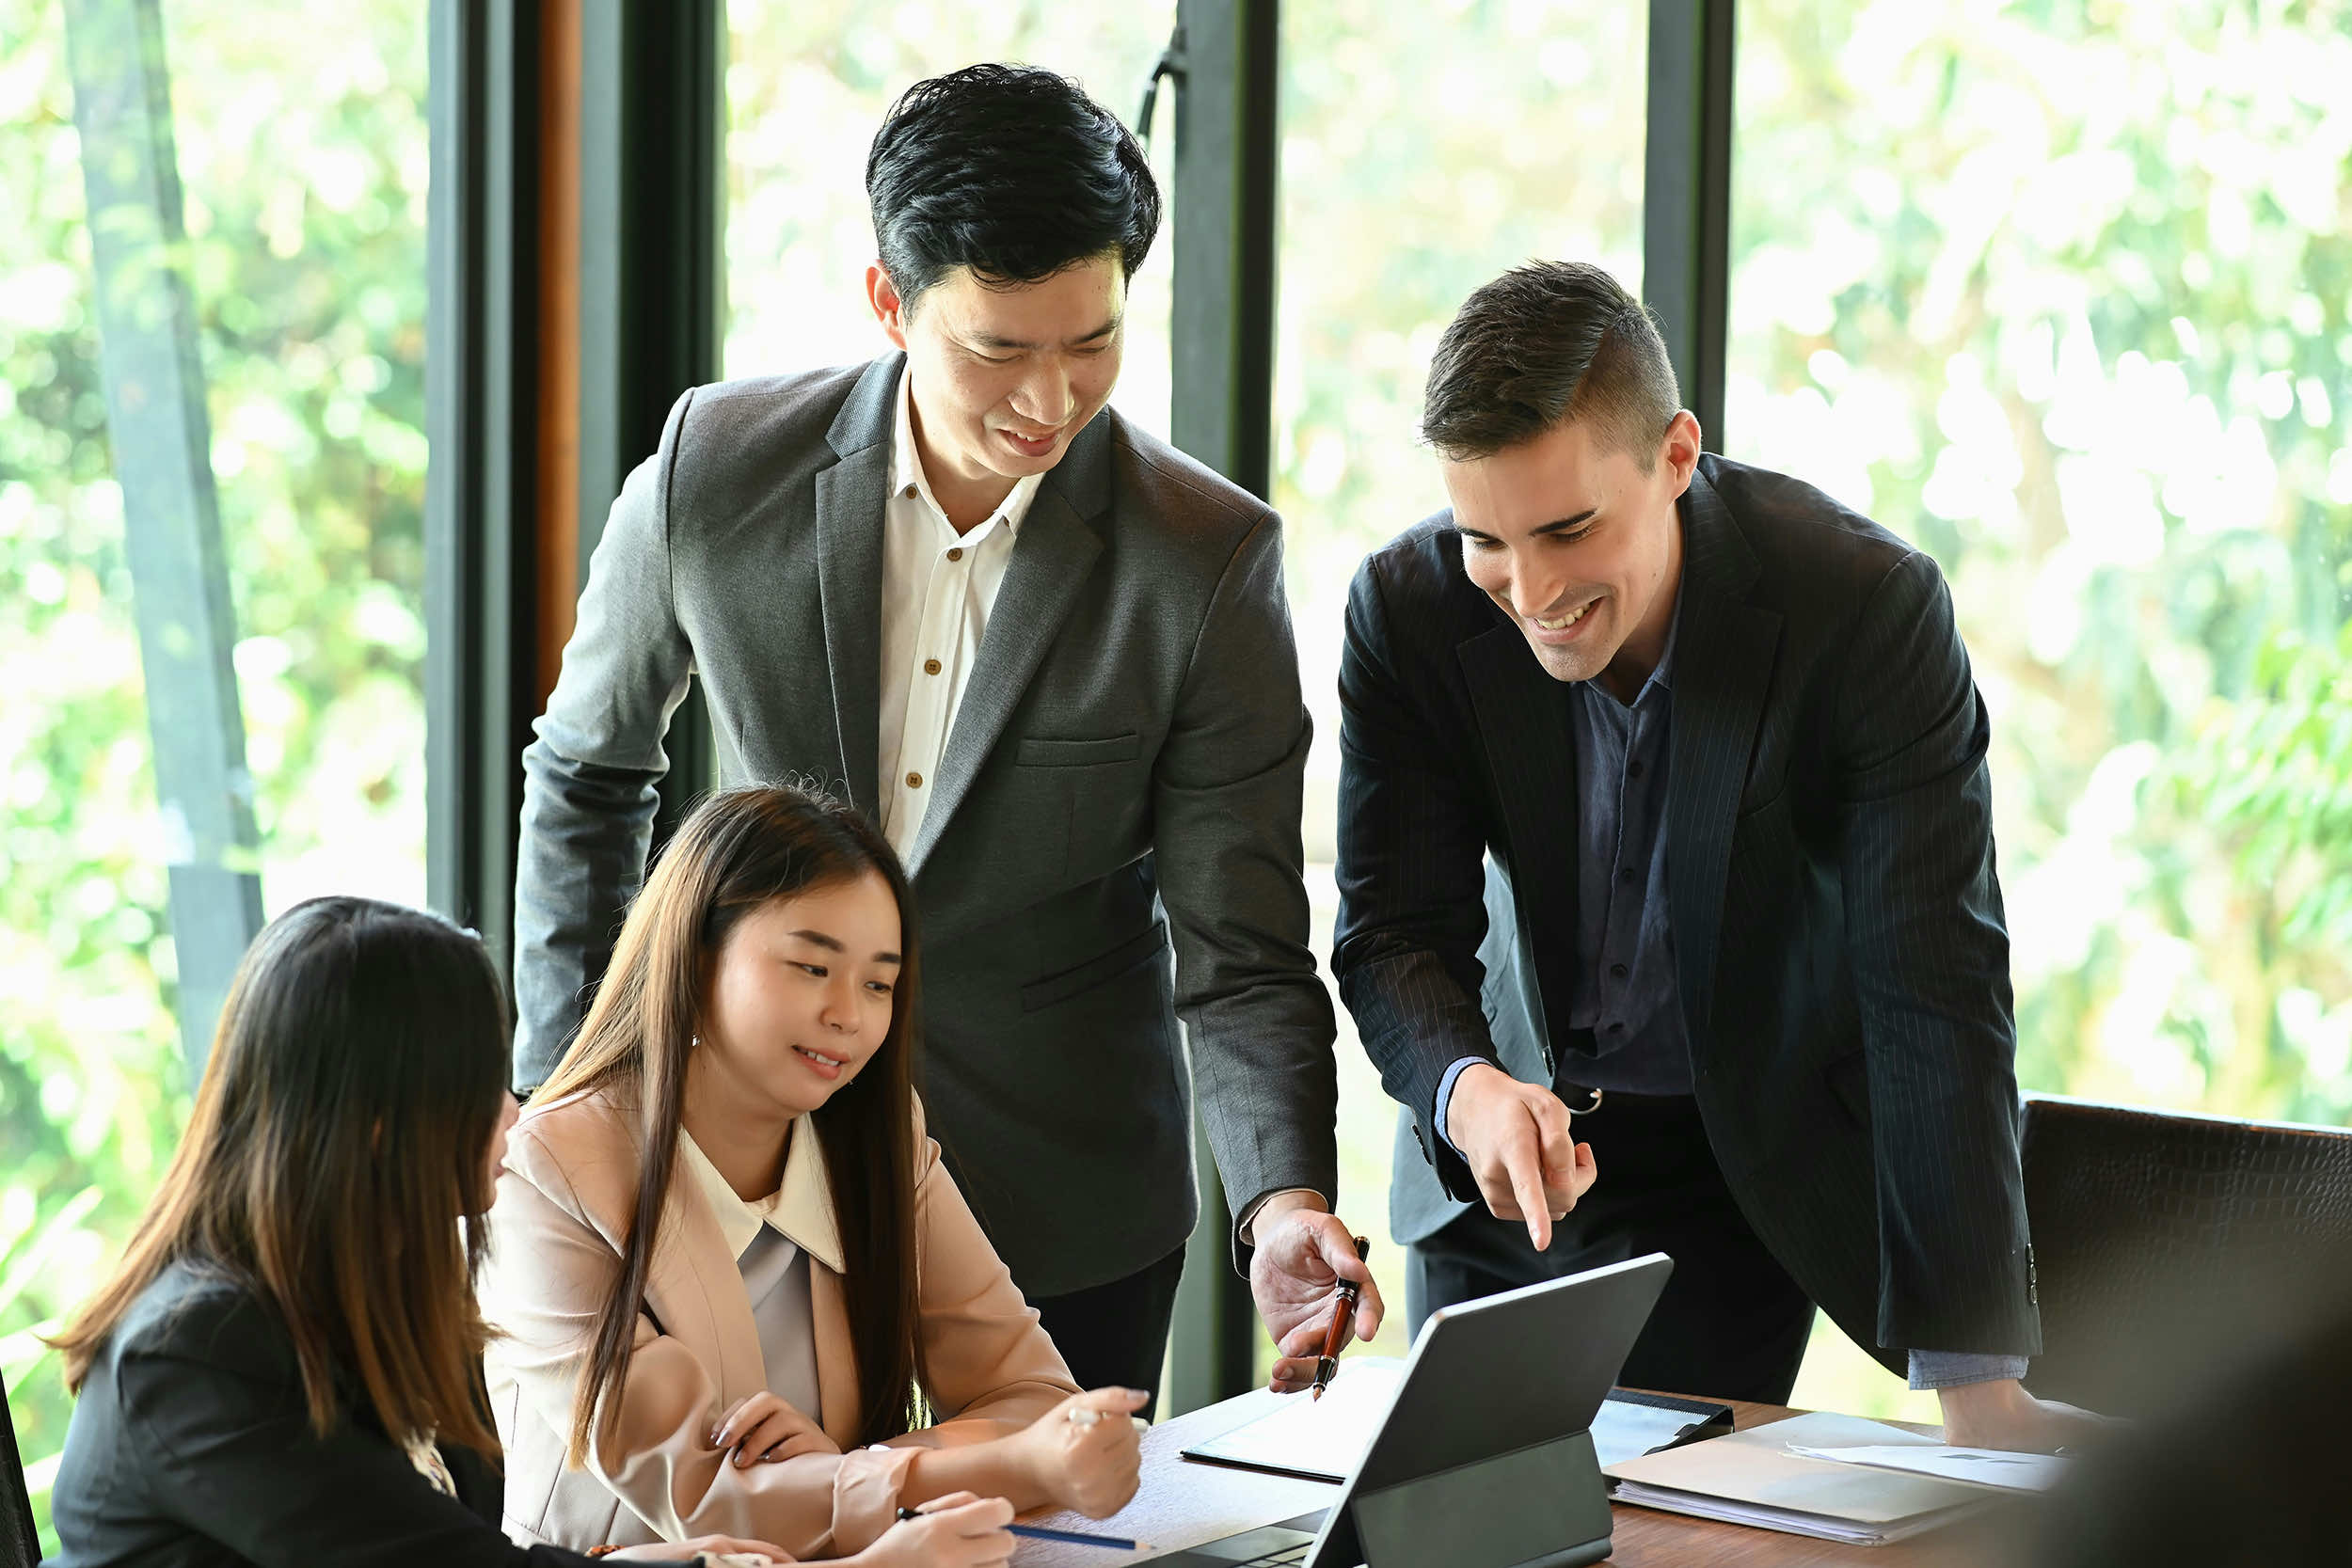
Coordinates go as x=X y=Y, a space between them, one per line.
x=652 y=118
x=160 y=436
x=1222 y=323
x=1686 y=222
x=481 y=411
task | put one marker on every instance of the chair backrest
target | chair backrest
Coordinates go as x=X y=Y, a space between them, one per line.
x=20 y=1543
x=2167 y=1242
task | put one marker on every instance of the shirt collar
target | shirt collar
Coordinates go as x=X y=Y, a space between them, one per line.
x=907 y=477
x=799 y=1209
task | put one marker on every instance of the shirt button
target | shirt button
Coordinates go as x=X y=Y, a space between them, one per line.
x=1625 y=876
x=1616 y=972
x=930 y=667
x=1633 y=770
x=956 y=554
x=914 y=781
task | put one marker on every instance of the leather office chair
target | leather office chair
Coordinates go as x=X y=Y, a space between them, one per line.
x=2167 y=1243
x=20 y=1543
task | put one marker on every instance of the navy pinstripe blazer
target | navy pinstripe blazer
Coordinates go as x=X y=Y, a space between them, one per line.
x=1837 y=917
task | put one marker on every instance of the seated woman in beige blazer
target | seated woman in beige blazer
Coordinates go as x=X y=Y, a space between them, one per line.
x=736 y=1290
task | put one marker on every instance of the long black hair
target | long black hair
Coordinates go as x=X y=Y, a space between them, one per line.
x=339 y=1135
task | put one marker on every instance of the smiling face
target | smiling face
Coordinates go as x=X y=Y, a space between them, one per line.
x=801 y=999
x=1579 y=547
x=1002 y=377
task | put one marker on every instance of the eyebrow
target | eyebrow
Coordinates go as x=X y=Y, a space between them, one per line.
x=990 y=340
x=832 y=944
x=1562 y=526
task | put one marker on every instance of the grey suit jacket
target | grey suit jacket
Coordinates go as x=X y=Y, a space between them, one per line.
x=1124 y=773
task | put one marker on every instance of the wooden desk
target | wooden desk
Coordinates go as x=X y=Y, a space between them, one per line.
x=1183 y=1504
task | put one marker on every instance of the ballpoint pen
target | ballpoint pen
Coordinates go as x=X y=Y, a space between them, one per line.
x=1075 y=1537
x=1327 y=1364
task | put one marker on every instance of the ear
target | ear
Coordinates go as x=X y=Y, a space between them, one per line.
x=1678 y=454
x=889 y=309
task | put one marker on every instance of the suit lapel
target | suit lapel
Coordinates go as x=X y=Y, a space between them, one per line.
x=837 y=1408
x=1051 y=560
x=1531 y=750
x=696 y=1294
x=1723 y=657
x=850 y=497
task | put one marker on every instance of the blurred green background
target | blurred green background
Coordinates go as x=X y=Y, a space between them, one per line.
x=2058 y=291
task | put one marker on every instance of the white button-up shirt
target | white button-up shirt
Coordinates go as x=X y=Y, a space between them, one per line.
x=937 y=590
x=773 y=1241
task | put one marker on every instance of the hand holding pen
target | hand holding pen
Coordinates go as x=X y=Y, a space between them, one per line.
x=1297 y=1274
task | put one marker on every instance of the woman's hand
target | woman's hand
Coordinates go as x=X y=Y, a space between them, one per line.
x=686 y=1551
x=766 y=1428
x=1084 y=1454
x=958 y=1530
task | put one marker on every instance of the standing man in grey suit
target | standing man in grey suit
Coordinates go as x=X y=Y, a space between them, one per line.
x=1715 y=741
x=1052 y=657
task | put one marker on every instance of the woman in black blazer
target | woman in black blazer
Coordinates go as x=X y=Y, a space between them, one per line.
x=285 y=1368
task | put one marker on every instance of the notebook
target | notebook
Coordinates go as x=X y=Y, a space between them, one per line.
x=1750 y=1478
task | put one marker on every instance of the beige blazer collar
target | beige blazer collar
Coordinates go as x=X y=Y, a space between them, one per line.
x=799 y=1209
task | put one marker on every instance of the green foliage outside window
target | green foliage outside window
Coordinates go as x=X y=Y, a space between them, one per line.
x=302 y=148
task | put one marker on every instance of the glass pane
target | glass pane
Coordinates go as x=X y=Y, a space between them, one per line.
x=2058 y=292
x=807 y=86
x=301 y=154
x=1424 y=151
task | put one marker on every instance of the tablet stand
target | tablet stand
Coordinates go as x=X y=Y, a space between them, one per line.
x=1544 y=1506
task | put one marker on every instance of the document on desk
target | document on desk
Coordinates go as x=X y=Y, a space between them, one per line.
x=1993 y=1468
x=1314 y=1439
x=1750 y=1477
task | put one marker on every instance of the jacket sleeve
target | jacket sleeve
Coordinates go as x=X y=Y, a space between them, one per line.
x=220 y=1436
x=1411 y=879
x=1929 y=951
x=589 y=778
x=549 y=1274
x=1226 y=796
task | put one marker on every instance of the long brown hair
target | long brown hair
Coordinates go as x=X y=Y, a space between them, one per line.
x=740 y=850
x=341 y=1131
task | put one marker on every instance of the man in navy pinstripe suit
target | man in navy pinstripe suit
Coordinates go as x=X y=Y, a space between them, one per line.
x=1664 y=798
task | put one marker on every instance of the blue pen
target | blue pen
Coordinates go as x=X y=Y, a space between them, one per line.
x=1080 y=1537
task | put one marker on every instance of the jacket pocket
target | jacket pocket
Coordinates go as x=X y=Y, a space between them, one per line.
x=1046 y=752
x=1136 y=951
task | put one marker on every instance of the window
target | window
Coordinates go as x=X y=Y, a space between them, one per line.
x=2058 y=293
x=300 y=161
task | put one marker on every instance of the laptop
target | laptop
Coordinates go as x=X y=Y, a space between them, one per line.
x=1488 y=1440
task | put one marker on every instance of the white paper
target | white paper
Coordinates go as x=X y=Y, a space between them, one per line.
x=1993 y=1468
x=1622 y=1429
x=1321 y=1438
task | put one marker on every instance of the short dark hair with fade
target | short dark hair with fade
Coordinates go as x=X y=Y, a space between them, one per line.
x=1010 y=170
x=1542 y=344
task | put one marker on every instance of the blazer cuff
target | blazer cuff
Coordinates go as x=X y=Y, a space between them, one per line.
x=866 y=1494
